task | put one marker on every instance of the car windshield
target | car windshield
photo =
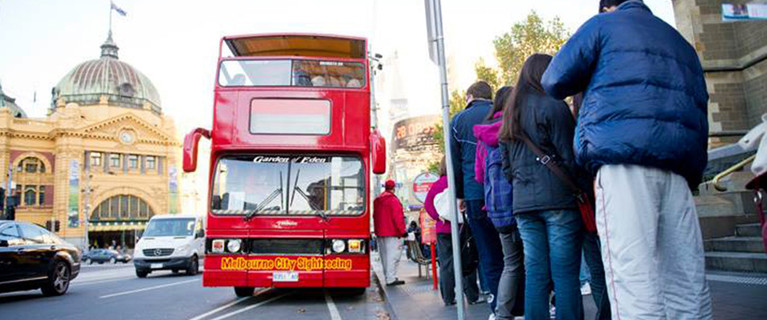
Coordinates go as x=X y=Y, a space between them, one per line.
x=293 y=185
x=176 y=227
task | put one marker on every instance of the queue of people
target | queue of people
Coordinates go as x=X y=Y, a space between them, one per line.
x=606 y=180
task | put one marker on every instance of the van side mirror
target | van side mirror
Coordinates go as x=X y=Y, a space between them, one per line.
x=378 y=146
x=191 y=140
x=200 y=233
x=4 y=243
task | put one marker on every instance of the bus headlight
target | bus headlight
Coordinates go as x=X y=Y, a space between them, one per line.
x=233 y=245
x=338 y=246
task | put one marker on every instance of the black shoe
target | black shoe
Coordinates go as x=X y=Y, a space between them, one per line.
x=396 y=283
x=447 y=304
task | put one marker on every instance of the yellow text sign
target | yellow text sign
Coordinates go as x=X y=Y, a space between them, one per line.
x=287 y=264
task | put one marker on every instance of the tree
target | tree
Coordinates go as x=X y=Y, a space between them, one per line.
x=525 y=38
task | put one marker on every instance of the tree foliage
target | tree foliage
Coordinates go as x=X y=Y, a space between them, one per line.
x=533 y=35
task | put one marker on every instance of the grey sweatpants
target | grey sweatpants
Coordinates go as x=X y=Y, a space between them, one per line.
x=651 y=244
x=390 y=249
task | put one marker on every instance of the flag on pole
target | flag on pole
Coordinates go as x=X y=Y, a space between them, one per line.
x=118 y=9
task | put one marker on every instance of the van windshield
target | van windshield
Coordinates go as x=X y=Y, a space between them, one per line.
x=180 y=227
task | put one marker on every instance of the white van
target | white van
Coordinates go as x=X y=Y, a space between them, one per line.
x=170 y=242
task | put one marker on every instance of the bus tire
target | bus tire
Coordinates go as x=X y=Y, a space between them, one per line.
x=244 y=291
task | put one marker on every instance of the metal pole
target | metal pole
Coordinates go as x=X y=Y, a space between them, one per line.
x=457 y=267
x=86 y=204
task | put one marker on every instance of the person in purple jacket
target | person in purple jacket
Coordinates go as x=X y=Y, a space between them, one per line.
x=445 y=247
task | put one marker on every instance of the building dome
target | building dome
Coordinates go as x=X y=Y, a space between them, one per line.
x=122 y=84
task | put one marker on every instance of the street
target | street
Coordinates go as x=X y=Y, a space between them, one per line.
x=114 y=291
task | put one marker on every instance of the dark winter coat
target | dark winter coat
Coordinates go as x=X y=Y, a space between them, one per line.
x=645 y=95
x=550 y=125
x=463 y=148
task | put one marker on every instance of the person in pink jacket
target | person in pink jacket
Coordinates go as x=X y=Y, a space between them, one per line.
x=389 y=222
x=445 y=248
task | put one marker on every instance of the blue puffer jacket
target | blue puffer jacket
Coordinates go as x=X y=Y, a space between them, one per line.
x=463 y=147
x=645 y=96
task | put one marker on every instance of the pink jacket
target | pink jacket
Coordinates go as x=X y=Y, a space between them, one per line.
x=485 y=134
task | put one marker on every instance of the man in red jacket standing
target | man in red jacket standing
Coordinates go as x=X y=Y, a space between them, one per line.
x=389 y=221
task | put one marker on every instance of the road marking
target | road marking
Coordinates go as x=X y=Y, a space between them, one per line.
x=89 y=282
x=250 y=307
x=216 y=310
x=334 y=315
x=147 y=289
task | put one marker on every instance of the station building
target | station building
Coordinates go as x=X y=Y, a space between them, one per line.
x=101 y=163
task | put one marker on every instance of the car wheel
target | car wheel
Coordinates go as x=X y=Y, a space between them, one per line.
x=141 y=273
x=58 y=280
x=112 y=260
x=193 y=266
x=244 y=291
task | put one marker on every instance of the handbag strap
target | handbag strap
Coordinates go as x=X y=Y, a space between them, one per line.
x=546 y=160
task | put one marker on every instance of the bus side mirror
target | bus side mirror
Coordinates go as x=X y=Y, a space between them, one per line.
x=378 y=152
x=190 y=148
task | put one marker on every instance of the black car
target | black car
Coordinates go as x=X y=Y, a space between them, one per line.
x=34 y=258
x=105 y=255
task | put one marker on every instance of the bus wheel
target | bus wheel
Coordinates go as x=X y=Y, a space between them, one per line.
x=244 y=291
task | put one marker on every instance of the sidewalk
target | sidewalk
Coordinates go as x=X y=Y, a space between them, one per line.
x=741 y=296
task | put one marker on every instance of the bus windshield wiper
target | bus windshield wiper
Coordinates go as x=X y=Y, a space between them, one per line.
x=267 y=200
x=319 y=211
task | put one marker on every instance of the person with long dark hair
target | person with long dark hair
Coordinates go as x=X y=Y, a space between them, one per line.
x=545 y=207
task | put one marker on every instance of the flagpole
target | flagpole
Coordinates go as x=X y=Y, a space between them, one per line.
x=110 y=18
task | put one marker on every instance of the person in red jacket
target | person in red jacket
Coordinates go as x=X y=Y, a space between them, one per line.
x=389 y=220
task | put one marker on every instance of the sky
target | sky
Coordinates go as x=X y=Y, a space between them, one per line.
x=175 y=43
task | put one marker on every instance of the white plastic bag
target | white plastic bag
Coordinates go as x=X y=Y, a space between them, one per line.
x=442 y=204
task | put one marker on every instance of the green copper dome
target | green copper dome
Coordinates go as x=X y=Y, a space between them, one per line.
x=122 y=84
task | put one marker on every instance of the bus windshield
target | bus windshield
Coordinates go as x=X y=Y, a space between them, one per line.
x=180 y=227
x=295 y=73
x=293 y=185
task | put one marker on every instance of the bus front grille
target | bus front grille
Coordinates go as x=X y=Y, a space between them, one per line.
x=286 y=246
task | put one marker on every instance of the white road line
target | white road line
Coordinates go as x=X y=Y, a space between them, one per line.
x=250 y=307
x=147 y=289
x=334 y=315
x=224 y=306
x=89 y=282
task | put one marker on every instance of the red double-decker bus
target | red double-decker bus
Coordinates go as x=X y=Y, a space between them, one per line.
x=291 y=154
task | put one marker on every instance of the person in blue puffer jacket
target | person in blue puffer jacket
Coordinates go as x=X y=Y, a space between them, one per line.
x=643 y=131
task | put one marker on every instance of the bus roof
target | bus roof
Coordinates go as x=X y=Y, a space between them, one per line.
x=306 y=45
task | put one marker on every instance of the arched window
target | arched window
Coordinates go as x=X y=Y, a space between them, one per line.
x=122 y=207
x=31 y=165
x=30 y=195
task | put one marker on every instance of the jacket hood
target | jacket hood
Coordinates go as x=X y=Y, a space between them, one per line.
x=488 y=133
x=386 y=194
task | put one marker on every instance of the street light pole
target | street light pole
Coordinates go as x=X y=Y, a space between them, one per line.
x=86 y=203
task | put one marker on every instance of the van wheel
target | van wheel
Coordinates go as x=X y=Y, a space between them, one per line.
x=58 y=280
x=244 y=291
x=141 y=273
x=194 y=266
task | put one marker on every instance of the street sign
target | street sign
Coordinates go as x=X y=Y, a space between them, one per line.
x=422 y=183
x=744 y=12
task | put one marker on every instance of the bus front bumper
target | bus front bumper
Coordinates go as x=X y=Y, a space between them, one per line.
x=342 y=271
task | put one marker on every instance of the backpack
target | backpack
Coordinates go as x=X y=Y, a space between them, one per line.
x=498 y=190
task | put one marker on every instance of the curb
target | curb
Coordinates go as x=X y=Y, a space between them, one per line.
x=384 y=295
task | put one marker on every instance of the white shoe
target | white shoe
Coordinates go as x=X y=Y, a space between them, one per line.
x=553 y=312
x=491 y=317
x=519 y=318
x=586 y=289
